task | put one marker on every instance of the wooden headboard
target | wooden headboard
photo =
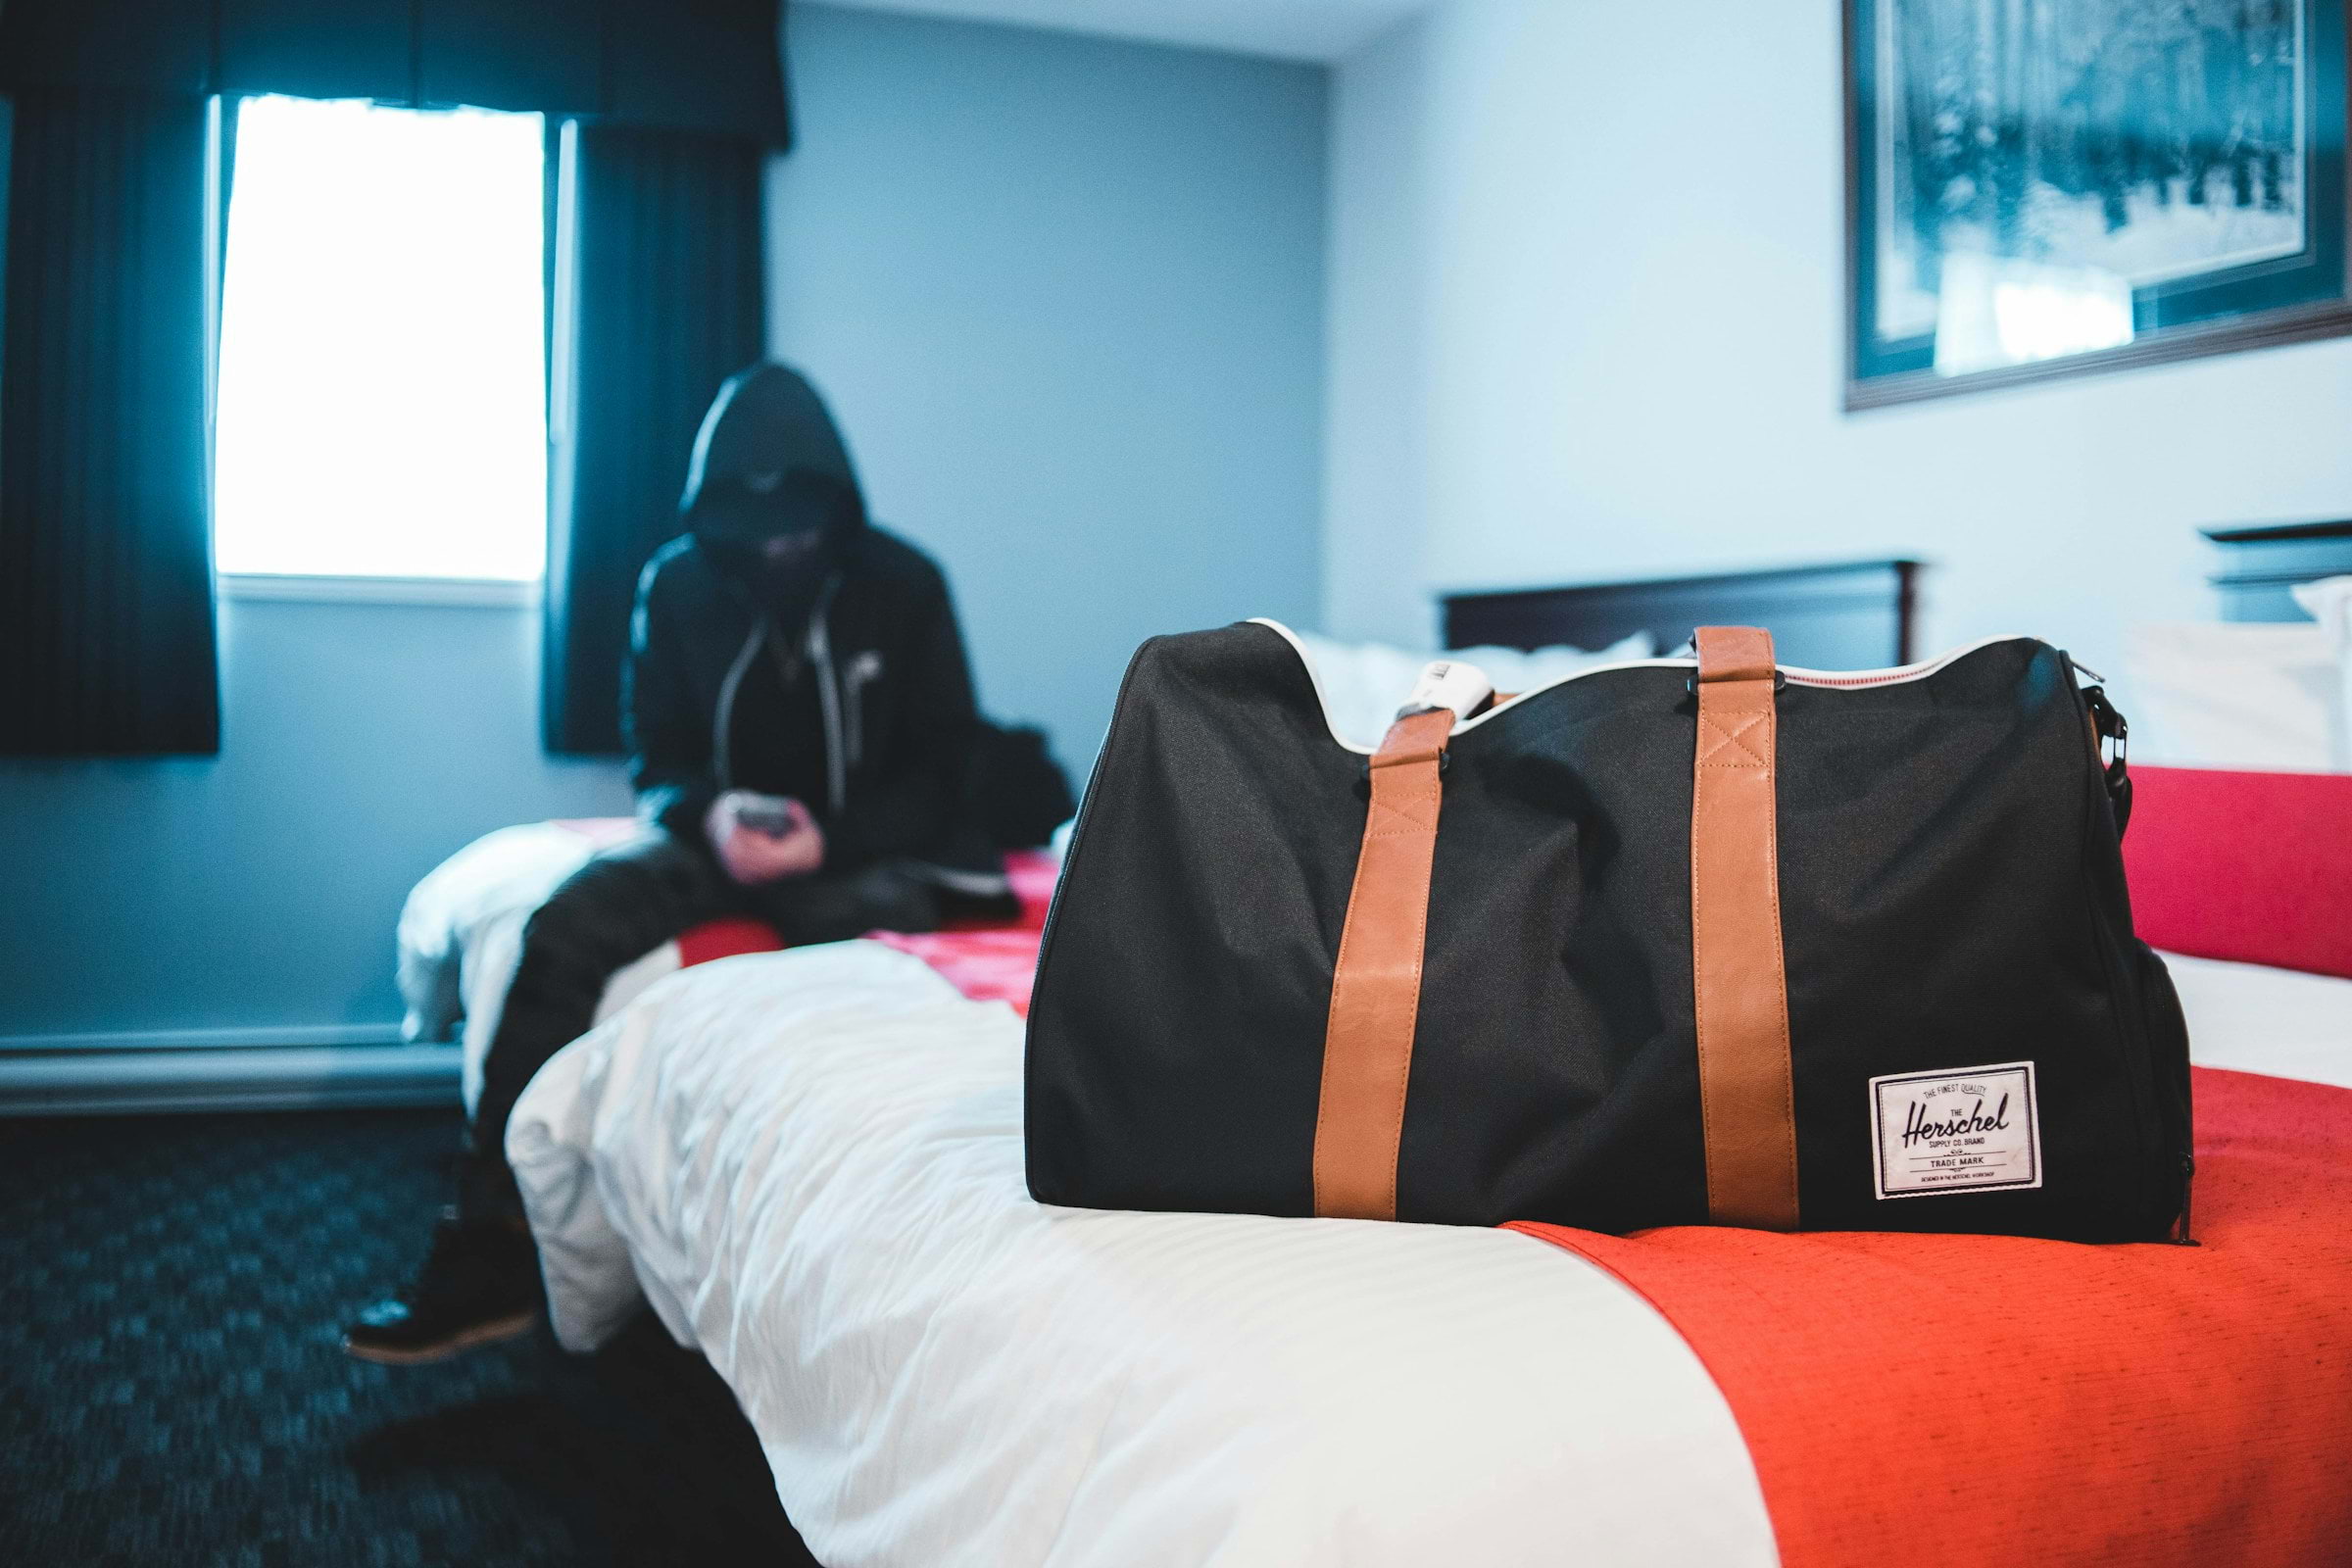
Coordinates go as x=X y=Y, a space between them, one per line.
x=2260 y=565
x=1856 y=615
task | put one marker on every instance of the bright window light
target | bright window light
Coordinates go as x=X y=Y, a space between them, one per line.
x=381 y=405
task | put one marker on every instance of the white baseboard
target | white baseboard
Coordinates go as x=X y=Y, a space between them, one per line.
x=256 y=1036
x=142 y=1075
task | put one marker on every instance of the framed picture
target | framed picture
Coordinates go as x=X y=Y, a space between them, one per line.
x=2058 y=188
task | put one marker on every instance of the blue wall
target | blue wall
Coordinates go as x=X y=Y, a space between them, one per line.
x=361 y=744
x=1067 y=298
x=1566 y=353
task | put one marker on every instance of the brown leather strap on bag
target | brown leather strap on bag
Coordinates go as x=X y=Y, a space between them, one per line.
x=1376 y=985
x=1746 y=1104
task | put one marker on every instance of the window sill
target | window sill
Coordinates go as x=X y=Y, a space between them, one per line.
x=456 y=593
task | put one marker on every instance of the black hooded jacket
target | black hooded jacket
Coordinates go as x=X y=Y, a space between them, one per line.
x=839 y=679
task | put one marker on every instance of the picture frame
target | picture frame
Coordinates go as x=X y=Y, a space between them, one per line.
x=2047 y=188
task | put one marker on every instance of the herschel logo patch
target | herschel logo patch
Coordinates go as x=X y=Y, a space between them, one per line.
x=1968 y=1130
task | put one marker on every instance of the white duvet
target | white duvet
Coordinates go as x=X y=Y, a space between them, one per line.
x=809 y=1163
x=460 y=936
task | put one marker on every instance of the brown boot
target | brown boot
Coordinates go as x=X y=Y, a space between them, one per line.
x=479 y=1283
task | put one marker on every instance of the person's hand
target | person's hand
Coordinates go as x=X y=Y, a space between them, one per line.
x=764 y=838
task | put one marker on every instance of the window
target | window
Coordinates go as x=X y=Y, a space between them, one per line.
x=381 y=405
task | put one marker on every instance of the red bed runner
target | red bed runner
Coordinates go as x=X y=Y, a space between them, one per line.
x=1967 y=1400
x=2249 y=867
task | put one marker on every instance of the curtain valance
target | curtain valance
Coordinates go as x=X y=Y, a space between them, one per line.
x=711 y=66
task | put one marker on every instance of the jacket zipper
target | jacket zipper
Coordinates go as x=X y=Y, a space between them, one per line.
x=721 y=721
x=853 y=702
x=862 y=671
x=828 y=694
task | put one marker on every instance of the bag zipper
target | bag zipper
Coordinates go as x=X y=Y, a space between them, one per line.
x=1874 y=678
x=1790 y=675
x=2109 y=727
x=1894 y=675
x=2128 y=997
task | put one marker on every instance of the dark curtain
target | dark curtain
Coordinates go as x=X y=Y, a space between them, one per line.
x=105 y=586
x=665 y=233
x=105 y=590
x=681 y=65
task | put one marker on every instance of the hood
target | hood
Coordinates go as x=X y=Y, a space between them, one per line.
x=768 y=462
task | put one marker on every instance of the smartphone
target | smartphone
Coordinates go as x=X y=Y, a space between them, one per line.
x=772 y=814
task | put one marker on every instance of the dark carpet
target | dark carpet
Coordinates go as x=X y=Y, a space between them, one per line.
x=173 y=1391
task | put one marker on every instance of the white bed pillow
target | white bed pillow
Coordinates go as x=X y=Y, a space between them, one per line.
x=2329 y=603
x=2254 y=695
x=1364 y=683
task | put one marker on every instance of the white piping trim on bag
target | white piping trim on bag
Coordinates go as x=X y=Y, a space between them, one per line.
x=1798 y=675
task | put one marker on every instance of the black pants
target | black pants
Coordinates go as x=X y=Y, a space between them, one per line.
x=620 y=905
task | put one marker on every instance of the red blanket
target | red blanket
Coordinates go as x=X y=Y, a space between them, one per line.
x=1970 y=1400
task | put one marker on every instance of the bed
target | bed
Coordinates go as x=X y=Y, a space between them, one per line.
x=461 y=933
x=808 y=1166
x=461 y=929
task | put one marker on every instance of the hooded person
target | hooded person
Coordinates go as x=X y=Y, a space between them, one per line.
x=786 y=646
x=802 y=733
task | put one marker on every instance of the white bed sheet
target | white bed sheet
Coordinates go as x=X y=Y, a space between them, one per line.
x=2259 y=1019
x=461 y=937
x=810 y=1165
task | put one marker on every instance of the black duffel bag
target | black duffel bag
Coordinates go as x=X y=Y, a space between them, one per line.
x=1675 y=942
